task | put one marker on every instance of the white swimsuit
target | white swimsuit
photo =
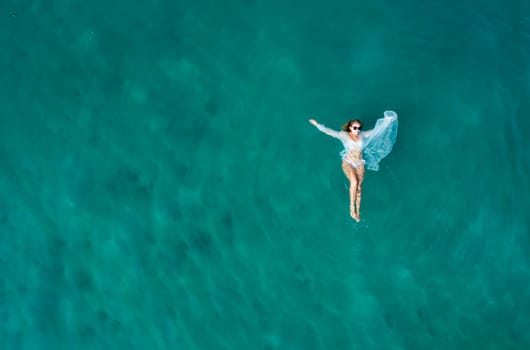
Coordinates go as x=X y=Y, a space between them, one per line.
x=349 y=146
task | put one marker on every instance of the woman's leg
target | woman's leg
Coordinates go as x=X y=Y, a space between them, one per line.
x=360 y=177
x=349 y=171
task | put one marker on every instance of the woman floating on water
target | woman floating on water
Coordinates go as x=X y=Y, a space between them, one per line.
x=362 y=149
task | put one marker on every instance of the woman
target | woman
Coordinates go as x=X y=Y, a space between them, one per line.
x=362 y=150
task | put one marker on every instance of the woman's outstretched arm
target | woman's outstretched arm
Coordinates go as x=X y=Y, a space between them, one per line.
x=327 y=131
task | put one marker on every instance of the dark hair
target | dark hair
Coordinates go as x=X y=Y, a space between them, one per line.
x=347 y=125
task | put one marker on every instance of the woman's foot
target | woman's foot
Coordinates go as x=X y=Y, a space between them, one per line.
x=353 y=213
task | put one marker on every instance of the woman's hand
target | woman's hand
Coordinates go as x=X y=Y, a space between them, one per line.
x=313 y=121
x=390 y=116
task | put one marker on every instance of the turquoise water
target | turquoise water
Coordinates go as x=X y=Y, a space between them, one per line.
x=162 y=188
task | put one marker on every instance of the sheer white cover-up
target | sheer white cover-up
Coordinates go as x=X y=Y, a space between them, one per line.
x=375 y=144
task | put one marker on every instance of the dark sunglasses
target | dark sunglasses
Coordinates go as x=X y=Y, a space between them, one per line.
x=356 y=127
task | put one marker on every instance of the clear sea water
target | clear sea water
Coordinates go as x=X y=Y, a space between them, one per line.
x=162 y=189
